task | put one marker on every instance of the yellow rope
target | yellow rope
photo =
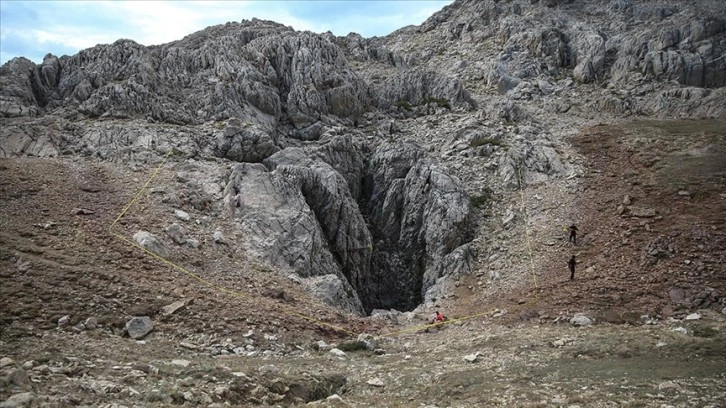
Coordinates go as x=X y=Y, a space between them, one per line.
x=142 y=189
x=526 y=229
x=208 y=283
x=220 y=288
x=281 y=309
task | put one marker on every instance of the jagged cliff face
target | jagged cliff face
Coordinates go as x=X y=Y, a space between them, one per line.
x=335 y=141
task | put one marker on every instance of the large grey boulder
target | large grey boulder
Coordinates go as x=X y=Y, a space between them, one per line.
x=334 y=291
x=138 y=327
x=151 y=243
x=245 y=142
x=531 y=163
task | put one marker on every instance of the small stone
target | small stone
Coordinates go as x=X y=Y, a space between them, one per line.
x=268 y=368
x=6 y=361
x=182 y=215
x=43 y=368
x=18 y=400
x=558 y=343
x=18 y=377
x=723 y=311
x=669 y=385
x=177 y=233
x=28 y=365
x=693 y=316
x=189 y=346
x=173 y=307
x=508 y=218
x=151 y=243
x=138 y=327
x=627 y=200
x=580 y=319
x=91 y=323
x=642 y=212
x=370 y=342
x=680 y=329
x=684 y=193
x=621 y=210
x=64 y=321
x=338 y=352
x=181 y=363
x=376 y=382
x=471 y=358
x=105 y=387
x=335 y=398
x=193 y=243
x=219 y=238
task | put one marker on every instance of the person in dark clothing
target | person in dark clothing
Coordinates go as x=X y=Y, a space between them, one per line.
x=573 y=234
x=571 y=264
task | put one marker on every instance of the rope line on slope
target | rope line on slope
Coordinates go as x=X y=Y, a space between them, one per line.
x=526 y=229
x=238 y=294
x=141 y=190
x=198 y=278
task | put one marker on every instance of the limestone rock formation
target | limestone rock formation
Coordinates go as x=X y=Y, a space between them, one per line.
x=359 y=159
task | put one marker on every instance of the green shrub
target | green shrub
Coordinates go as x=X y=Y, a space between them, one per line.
x=352 y=346
x=482 y=200
x=404 y=104
x=440 y=102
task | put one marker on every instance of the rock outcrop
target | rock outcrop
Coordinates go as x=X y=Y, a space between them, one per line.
x=353 y=154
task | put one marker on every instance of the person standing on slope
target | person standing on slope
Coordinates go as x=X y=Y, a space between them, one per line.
x=573 y=234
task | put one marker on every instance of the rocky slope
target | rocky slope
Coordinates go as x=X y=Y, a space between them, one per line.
x=431 y=168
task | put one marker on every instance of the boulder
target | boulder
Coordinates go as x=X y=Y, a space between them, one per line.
x=580 y=319
x=151 y=243
x=138 y=327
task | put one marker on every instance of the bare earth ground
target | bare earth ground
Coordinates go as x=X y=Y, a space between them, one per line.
x=661 y=256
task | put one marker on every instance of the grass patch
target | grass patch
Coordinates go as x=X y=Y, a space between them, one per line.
x=483 y=199
x=440 y=102
x=402 y=103
x=352 y=346
x=704 y=331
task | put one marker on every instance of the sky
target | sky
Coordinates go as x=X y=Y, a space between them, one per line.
x=33 y=29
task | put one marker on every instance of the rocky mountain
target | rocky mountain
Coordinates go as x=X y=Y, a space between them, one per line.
x=381 y=179
x=364 y=163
